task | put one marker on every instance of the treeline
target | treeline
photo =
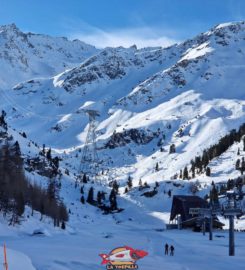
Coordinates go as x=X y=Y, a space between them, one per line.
x=200 y=163
x=44 y=164
x=99 y=199
x=222 y=188
x=3 y=123
x=16 y=191
x=53 y=161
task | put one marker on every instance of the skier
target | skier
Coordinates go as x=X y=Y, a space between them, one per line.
x=172 y=251
x=166 y=249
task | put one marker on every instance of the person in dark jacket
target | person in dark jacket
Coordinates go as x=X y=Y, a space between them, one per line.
x=166 y=249
x=172 y=251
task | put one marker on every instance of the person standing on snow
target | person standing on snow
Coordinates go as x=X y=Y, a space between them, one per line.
x=166 y=249
x=172 y=251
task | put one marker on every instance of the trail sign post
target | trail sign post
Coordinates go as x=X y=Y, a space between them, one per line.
x=194 y=211
x=209 y=213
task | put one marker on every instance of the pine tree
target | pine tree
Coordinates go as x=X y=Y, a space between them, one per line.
x=16 y=149
x=115 y=186
x=2 y=120
x=208 y=171
x=172 y=149
x=99 y=198
x=130 y=182
x=56 y=162
x=51 y=191
x=113 y=200
x=102 y=195
x=48 y=154
x=20 y=204
x=63 y=215
x=238 y=164
x=222 y=189
x=146 y=185
x=140 y=182
x=214 y=197
x=84 y=180
x=43 y=150
x=82 y=200
x=193 y=168
x=238 y=151
x=205 y=158
x=67 y=172
x=185 y=173
x=63 y=225
x=90 y=198
x=230 y=184
x=180 y=174
x=243 y=166
x=157 y=167
x=198 y=164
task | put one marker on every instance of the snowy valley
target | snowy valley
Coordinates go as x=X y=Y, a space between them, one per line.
x=157 y=109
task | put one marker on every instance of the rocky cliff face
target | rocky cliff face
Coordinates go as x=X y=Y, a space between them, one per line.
x=27 y=55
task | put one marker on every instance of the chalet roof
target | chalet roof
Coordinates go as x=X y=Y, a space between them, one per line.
x=182 y=203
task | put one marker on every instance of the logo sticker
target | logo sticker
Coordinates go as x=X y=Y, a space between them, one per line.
x=123 y=258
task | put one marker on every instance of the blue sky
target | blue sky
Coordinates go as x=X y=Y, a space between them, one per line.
x=121 y=22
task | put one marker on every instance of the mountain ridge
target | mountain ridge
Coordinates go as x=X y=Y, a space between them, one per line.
x=162 y=118
x=27 y=55
x=147 y=100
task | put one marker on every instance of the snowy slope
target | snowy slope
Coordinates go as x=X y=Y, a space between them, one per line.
x=103 y=79
x=201 y=97
x=213 y=60
x=15 y=259
x=26 y=55
x=190 y=95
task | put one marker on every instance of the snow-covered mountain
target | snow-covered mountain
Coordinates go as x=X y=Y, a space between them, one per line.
x=26 y=55
x=188 y=95
x=195 y=87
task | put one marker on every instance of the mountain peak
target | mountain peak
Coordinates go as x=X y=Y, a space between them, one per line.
x=9 y=27
x=229 y=24
x=37 y=55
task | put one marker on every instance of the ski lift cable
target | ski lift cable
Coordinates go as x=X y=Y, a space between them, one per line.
x=23 y=110
x=16 y=106
x=11 y=102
